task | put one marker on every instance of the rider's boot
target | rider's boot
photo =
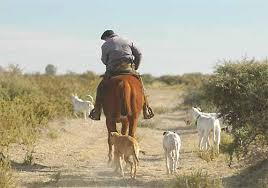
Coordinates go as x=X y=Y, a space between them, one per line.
x=147 y=110
x=96 y=111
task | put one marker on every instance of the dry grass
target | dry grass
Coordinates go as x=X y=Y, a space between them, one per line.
x=226 y=142
x=197 y=179
x=7 y=179
x=208 y=155
x=52 y=134
x=147 y=123
x=161 y=110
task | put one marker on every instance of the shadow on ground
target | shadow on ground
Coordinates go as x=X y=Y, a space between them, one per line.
x=105 y=179
x=31 y=168
x=254 y=176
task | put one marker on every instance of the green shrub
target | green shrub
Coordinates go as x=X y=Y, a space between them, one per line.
x=148 y=79
x=195 y=94
x=170 y=80
x=194 y=80
x=239 y=90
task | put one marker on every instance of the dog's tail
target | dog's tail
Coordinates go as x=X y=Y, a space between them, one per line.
x=135 y=154
x=91 y=98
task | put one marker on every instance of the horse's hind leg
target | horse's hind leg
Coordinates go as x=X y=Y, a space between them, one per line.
x=124 y=128
x=133 y=123
x=111 y=127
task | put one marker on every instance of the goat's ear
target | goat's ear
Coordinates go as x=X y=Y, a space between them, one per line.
x=164 y=132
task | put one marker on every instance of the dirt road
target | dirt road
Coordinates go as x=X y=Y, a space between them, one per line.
x=77 y=154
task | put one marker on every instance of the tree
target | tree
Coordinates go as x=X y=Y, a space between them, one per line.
x=14 y=69
x=51 y=69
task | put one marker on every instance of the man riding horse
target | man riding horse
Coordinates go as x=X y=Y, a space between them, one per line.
x=120 y=57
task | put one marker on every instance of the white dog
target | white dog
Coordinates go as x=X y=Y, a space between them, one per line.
x=80 y=105
x=206 y=124
x=171 y=145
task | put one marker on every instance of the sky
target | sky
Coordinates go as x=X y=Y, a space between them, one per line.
x=175 y=36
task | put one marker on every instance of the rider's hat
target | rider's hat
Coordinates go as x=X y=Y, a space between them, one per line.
x=107 y=33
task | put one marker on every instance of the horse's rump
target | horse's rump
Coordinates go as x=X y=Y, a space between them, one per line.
x=123 y=96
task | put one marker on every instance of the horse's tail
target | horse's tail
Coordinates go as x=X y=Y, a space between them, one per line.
x=125 y=99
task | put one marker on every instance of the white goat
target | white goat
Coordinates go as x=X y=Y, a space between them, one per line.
x=80 y=105
x=217 y=116
x=206 y=124
x=171 y=145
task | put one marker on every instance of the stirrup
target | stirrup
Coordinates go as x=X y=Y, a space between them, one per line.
x=147 y=112
x=94 y=115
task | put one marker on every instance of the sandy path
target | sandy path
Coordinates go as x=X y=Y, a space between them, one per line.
x=78 y=156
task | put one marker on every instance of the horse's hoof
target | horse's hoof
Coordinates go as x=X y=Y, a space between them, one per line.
x=94 y=115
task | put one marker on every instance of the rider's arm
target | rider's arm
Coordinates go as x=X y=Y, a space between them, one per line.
x=137 y=56
x=104 y=55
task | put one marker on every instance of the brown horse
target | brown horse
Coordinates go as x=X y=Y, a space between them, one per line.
x=122 y=103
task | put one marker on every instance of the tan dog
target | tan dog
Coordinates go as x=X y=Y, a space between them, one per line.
x=124 y=147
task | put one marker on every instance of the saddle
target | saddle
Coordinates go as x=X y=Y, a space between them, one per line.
x=124 y=68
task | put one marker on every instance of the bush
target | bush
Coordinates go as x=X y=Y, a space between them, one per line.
x=196 y=96
x=28 y=102
x=148 y=79
x=239 y=90
x=194 y=80
x=170 y=80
